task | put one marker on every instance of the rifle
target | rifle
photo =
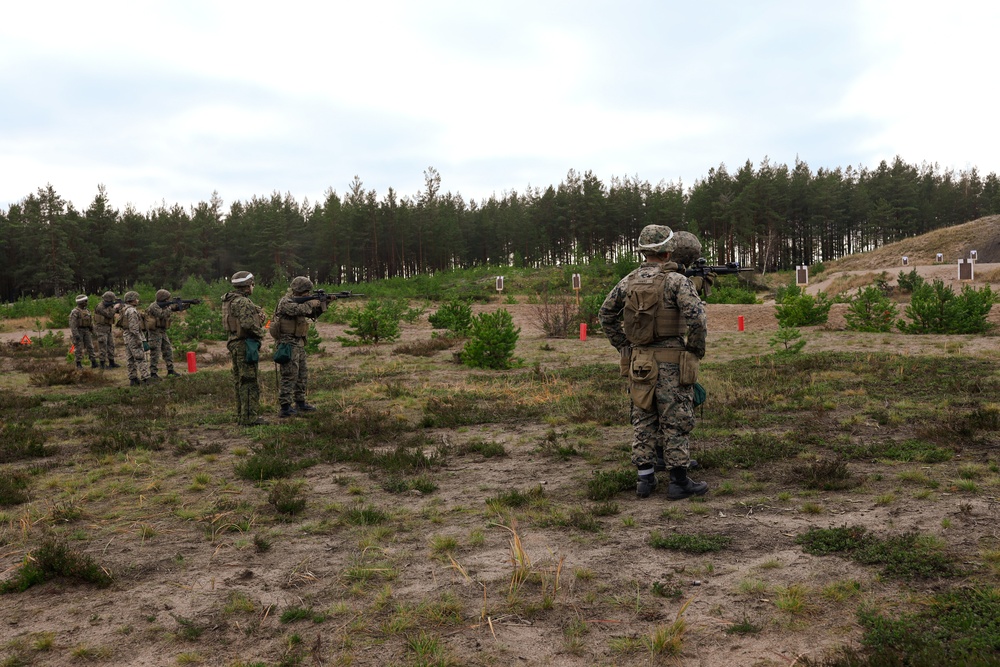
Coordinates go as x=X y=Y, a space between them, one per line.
x=701 y=269
x=323 y=297
x=178 y=304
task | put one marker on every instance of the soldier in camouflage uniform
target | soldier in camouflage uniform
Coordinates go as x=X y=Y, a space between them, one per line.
x=670 y=417
x=244 y=321
x=81 y=327
x=133 y=333
x=293 y=325
x=104 y=320
x=687 y=251
x=158 y=316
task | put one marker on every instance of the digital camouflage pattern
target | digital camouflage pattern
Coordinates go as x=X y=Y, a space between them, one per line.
x=81 y=328
x=106 y=309
x=132 y=333
x=159 y=342
x=672 y=418
x=245 y=376
x=294 y=374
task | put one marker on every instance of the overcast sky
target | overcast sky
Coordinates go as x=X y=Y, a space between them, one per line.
x=169 y=101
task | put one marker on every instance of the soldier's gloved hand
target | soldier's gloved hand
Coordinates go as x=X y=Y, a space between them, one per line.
x=710 y=278
x=699 y=353
x=313 y=303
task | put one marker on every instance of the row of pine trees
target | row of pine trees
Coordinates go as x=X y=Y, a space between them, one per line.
x=767 y=216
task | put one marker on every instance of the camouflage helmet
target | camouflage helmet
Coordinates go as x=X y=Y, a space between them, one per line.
x=130 y=297
x=162 y=295
x=81 y=298
x=108 y=296
x=687 y=248
x=301 y=284
x=242 y=279
x=654 y=239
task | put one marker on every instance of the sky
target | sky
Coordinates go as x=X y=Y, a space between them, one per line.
x=166 y=102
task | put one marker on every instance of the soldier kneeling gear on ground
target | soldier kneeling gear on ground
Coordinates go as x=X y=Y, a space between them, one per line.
x=657 y=322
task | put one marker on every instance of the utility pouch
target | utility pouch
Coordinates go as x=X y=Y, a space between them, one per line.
x=643 y=372
x=253 y=350
x=688 y=368
x=145 y=346
x=700 y=395
x=283 y=353
x=625 y=360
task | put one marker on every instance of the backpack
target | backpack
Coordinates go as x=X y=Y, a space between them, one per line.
x=646 y=319
x=275 y=327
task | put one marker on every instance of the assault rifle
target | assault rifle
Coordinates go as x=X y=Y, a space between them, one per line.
x=702 y=269
x=178 y=304
x=323 y=297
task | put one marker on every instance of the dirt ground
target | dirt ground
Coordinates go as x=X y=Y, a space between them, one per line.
x=600 y=583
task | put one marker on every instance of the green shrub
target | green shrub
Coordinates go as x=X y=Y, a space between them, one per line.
x=492 y=341
x=802 y=310
x=871 y=310
x=782 y=343
x=51 y=560
x=377 y=322
x=455 y=316
x=936 y=309
x=199 y=323
x=910 y=282
x=730 y=291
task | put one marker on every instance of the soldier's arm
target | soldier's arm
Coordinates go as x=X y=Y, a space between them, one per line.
x=610 y=317
x=693 y=310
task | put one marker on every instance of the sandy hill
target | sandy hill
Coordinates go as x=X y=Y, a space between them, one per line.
x=982 y=235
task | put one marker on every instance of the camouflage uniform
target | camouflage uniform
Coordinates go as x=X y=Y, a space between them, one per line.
x=81 y=327
x=245 y=321
x=104 y=319
x=663 y=428
x=157 y=322
x=293 y=326
x=132 y=332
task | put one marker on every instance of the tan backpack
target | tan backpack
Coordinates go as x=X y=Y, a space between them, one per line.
x=646 y=319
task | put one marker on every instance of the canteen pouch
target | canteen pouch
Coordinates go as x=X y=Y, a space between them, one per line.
x=253 y=350
x=643 y=372
x=700 y=395
x=283 y=353
x=145 y=346
x=688 y=368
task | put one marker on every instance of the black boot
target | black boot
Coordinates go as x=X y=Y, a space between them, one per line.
x=682 y=487
x=133 y=382
x=173 y=373
x=93 y=363
x=79 y=364
x=302 y=406
x=286 y=411
x=153 y=377
x=646 y=484
x=102 y=365
x=112 y=364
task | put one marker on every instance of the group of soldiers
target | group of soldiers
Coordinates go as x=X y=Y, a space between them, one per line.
x=93 y=333
x=654 y=317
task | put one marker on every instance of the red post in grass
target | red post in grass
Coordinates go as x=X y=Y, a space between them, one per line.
x=739 y=321
x=192 y=364
x=583 y=331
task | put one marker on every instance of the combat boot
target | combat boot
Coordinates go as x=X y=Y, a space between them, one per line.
x=93 y=363
x=112 y=364
x=682 y=487
x=646 y=484
x=286 y=411
x=302 y=406
x=153 y=377
x=173 y=373
x=133 y=382
x=260 y=421
x=79 y=364
x=102 y=365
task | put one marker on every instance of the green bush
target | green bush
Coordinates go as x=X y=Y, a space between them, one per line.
x=936 y=309
x=871 y=310
x=492 y=341
x=377 y=322
x=199 y=323
x=725 y=291
x=455 y=316
x=787 y=340
x=802 y=310
x=910 y=282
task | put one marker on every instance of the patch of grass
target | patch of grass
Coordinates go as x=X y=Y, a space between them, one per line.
x=839 y=591
x=293 y=614
x=425 y=348
x=464 y=408
x=910 y=450
x=743 y=627
x=52 y=560
x=13 y=487
x=20 y=441
x=694 y=543
x=516 y=498
x=606 y=484
x=907 y=556
x=793 y=600
x=365 y=515
x=287 y=497
x=749 y=450
x=487 y=450
x=268 y=461
x=824 y=475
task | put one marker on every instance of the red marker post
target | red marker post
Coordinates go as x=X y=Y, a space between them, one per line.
x=583 y=331
x=739 y=323
x=192 y=364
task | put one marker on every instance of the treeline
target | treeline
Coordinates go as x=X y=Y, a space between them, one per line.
x=769 y=216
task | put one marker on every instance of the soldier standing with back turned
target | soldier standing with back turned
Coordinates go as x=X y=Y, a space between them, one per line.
x=293 y=326
x=104 y=319
x=133 y=334
x=654 y=317
x=158 y=316
x=244 y=321
x=81 y=328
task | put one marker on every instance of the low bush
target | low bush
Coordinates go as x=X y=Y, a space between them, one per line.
x=492 y=340
x=936 y=309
